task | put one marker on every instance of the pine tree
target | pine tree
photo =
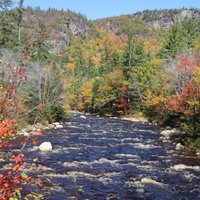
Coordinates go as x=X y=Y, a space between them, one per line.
x=174 y=42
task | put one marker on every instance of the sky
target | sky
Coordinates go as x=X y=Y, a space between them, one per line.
x=95 y=9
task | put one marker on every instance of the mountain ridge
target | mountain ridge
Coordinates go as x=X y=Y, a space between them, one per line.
x=155 y=19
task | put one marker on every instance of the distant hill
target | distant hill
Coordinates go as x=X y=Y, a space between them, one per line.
x=143 y=22
x=60 y=26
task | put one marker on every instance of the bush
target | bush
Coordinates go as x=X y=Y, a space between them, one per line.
x=47 y=114
x=52 y=114
x=43 y=94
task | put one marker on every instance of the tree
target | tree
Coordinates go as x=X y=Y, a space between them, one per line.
x=180 y=105
x=134 y=55
x=19 y=19
x=186 y=105
x=6 y=27
x=180 y=37
x=146 y=81
x=189 y=32
x=107 y=90
x=87 y=96
x=173 y=43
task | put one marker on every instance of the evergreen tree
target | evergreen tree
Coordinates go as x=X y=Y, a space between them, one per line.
x=174 y=42
x=181 y=36
x=189 y=32
x=134 y=55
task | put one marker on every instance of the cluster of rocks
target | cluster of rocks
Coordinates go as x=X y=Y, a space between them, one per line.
x=37 y=130
x=167 y=134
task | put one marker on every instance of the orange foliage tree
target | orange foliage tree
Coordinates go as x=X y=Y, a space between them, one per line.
x=184 y=101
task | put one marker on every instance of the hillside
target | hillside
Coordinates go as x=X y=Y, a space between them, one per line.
x=58 y=27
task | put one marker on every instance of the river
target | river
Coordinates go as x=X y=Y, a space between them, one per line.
x=100 y=158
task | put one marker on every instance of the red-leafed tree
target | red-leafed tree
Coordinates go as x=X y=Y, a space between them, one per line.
x=123 y=102
x=186 y=101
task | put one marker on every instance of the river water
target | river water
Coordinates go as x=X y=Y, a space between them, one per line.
x=100 y=158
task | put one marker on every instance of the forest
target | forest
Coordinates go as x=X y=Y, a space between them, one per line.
x=52 y=62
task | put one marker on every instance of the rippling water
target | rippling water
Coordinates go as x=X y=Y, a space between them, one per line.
x=101 y=158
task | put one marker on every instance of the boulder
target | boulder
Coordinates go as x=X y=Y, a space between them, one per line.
x=179 y=146
x=168 y=133
x=45 y=146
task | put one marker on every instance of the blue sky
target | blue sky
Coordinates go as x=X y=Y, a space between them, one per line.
x=95 y=9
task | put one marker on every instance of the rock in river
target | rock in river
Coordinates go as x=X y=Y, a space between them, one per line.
x=45 y=146
x=168 y=133
x=179 y=146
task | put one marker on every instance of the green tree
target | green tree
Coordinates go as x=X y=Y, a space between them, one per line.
x=134 y=55
x=6 y=25
x=189 y=32
x=107 y=90
x=181 y=36
x=174 y=42
x=146 y=81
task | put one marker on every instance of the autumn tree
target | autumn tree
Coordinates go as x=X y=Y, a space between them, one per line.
x=107 y=90
x=186 y=98
x=87 y=95
x=146 y=82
